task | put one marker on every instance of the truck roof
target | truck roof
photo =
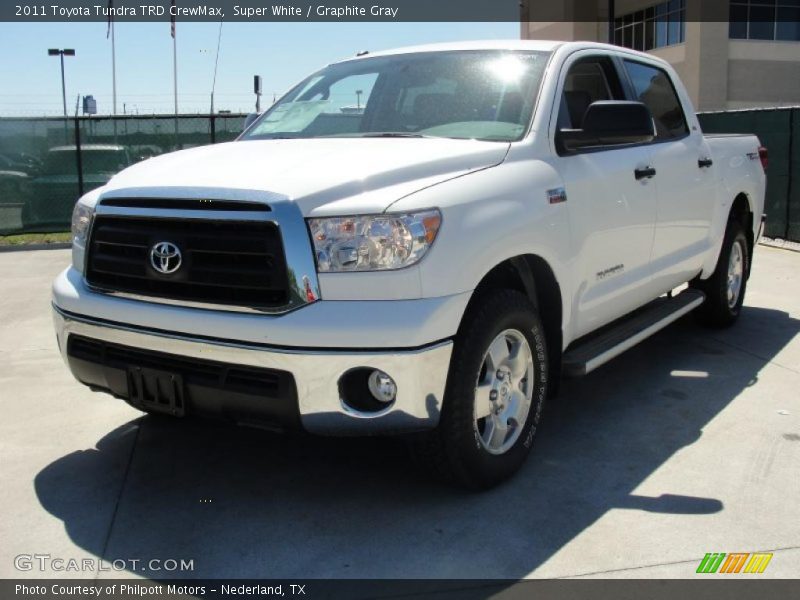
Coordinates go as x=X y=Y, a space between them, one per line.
x=541 y=45
x=531 y=45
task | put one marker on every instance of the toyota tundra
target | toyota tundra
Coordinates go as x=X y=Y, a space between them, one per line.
x=417 y=242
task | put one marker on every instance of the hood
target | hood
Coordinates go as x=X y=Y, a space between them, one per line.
x=323 y=176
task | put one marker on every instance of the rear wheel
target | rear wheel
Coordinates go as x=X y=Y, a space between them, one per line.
x=726 y=287
x=495 y=393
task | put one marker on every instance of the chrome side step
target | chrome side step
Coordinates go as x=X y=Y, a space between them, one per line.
x=613 y=341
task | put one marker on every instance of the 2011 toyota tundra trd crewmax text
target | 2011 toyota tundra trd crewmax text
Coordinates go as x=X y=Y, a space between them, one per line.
x=421 y=242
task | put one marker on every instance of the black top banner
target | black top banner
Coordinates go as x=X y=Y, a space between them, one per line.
x=261 y=10
x=381 y=10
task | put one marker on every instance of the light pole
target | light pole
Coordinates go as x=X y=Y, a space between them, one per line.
x=62 y=54
x=257 y=91
x=611 y=10
x=216 y=62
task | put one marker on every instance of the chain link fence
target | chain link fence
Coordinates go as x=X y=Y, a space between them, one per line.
x=779 y=130
x=46 y=164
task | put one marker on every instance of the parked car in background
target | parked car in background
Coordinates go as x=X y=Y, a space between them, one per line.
x=56 y=188
x=19 y=162
x=16 y=170
x=14 y=187
x=144 y=151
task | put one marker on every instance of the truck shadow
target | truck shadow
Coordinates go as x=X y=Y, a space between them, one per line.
x=245 y=503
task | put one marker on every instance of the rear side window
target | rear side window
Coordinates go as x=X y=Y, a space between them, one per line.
x=654 y=88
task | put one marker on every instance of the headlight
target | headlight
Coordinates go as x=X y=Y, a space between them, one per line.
x=373 y=243
x=81 y=220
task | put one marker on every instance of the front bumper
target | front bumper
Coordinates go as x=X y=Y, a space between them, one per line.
x=351 y=324
x=420 y=374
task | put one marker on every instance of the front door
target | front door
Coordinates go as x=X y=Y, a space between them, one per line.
x=612 y=213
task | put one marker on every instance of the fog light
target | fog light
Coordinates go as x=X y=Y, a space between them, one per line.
x=382 y=387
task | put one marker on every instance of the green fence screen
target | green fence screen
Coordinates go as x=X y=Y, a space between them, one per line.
x=778 y=130
x=43 y=173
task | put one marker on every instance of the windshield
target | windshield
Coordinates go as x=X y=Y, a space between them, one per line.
x=485 y=95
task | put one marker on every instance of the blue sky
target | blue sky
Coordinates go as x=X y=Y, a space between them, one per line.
x=282 y=53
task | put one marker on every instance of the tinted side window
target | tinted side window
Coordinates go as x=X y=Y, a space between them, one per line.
x=587 y=81
x=654 y=88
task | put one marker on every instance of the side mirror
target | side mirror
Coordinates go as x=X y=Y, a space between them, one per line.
x=610 y=123
x=250 y=118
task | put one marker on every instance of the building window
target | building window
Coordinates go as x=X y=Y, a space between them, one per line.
x=765 y=20
x=661 y=25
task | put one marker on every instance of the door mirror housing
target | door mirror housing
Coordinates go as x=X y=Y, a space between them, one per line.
x=610 y=123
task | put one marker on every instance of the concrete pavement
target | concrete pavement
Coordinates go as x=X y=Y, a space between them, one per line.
x=688 y=444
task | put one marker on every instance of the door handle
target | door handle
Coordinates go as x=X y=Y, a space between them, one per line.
x=705 y=163
x=646 y=173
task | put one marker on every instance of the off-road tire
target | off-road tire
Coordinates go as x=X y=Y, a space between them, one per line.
x=718 y=310
x=454 y=450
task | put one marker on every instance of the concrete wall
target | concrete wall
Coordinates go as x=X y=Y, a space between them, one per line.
x=706 y=66
x=565 y=30
x=763 y=74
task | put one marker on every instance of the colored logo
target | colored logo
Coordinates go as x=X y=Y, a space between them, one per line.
x=557 y=195
x=735 y=562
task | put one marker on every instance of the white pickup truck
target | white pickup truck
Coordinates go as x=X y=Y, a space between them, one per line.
x=421 y=242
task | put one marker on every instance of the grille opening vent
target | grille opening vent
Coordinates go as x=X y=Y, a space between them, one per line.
x=236 y=263
x=207 y=373
x=256 y=395
x=187 y=204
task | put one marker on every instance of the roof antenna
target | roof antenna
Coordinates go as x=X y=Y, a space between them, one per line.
x=362 y=53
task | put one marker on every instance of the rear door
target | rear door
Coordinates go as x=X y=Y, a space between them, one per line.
x=684 y=180
x=612 y=214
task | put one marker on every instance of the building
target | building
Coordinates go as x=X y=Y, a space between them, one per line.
x=730 y=54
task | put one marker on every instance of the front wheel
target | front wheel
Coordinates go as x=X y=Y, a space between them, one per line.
x=726 y=287
x=495 y=393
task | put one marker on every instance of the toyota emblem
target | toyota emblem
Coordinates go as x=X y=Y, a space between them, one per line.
x=165 y=257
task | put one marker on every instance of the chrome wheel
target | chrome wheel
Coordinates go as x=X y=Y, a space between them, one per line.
x=503 y=391
x=735 y=273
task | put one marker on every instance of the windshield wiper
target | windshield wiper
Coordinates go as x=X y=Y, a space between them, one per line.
x=393 y=134
x=375 y=134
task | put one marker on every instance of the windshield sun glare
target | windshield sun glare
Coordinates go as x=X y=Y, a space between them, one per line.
x=484 y=95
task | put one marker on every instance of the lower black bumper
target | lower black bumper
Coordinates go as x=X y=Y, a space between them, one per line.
x=178 y=385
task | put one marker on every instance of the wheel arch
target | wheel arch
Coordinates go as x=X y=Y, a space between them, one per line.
x=742 y=212
x=533 y=276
